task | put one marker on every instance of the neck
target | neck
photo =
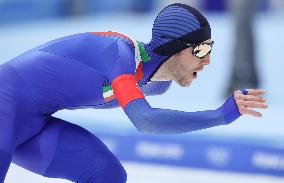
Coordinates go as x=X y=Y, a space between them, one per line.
x=151 y=67
x=163 y=73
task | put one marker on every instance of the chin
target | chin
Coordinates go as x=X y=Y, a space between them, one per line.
x=184 y=83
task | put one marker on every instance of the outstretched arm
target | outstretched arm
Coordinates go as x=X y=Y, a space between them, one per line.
x=148 y=119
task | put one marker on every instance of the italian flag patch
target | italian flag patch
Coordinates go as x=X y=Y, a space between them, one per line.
x=108 y=94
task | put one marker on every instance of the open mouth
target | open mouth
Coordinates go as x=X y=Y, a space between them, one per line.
x=196 y=72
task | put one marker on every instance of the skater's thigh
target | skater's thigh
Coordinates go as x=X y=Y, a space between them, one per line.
x=36 y=153
x=65 y=150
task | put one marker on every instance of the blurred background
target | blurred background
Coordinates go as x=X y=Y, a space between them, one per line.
x=248 y=37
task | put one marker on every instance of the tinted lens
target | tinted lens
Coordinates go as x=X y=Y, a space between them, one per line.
x=202 y=50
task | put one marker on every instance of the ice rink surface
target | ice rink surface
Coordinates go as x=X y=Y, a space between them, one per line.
x=205 y=93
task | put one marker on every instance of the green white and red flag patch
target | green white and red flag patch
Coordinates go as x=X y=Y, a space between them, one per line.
x=108 y=94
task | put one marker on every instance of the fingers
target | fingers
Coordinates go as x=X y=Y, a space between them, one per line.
x=244 y=110
x=247 y=103
x=252 y=104
x=249 y=98
x=256 y=91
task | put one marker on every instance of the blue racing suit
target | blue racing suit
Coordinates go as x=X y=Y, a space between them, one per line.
x=75 y=72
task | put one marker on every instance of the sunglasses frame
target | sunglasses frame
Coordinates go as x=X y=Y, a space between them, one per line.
x=190 y=45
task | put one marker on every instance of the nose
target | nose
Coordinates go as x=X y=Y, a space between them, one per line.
x=206 y=60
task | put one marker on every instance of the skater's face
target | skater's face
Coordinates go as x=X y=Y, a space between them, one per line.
x=185 y=67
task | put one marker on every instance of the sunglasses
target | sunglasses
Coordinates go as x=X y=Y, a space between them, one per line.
x=200 y=50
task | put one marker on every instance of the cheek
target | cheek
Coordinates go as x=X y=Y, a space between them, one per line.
x=189 y=61
x=187 y=65
x=184 y=71
x=184 y=68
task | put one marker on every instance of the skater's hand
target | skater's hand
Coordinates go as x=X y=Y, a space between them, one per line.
x=247 y=103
